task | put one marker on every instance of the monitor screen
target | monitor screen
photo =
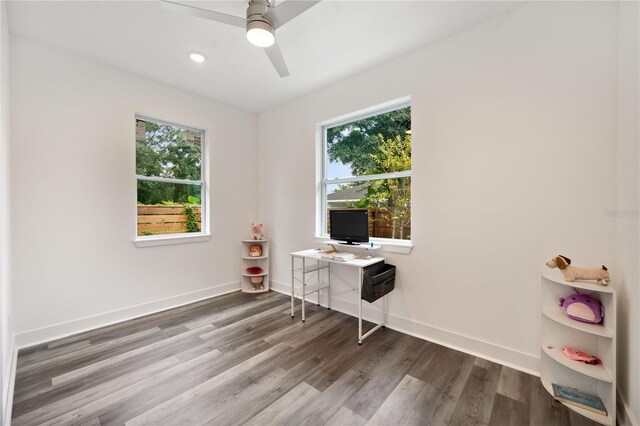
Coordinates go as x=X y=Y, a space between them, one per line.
x=349 y=225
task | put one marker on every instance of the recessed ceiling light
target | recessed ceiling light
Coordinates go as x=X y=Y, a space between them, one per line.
x=197 y=57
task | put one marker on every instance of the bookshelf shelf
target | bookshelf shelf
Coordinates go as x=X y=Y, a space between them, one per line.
x=247 y=261
x=262 y=274
x=559 y=331
x=605 y=420
x=311 y=268
x=558 y=316
x=596 y=371
x=583 y=285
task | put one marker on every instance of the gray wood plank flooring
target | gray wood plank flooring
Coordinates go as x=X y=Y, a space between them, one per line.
x=241 y=359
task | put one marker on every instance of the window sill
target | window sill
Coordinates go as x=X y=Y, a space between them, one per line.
x=165 y=240
x=388 y=245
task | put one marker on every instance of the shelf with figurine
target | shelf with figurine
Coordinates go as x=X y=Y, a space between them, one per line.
x=254 y=261
x=578 y=339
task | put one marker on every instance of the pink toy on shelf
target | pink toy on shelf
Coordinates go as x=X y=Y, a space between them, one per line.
x=576 y=355
x=256 y=231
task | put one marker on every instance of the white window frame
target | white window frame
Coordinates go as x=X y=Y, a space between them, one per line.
x=321 y=234
x=185 y=237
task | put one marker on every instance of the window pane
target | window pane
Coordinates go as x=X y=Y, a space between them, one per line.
x=388 y=201
x=167 y=151
x=168 y=208
x=372 y=145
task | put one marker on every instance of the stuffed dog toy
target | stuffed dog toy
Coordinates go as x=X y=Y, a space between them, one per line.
x=572 y=273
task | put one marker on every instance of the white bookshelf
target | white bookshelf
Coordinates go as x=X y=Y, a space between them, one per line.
x=559 y=331
x=247 y=261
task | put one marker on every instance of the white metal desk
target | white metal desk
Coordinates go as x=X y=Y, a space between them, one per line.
x=312 y=261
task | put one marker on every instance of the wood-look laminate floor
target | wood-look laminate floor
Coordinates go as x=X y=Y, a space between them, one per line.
x=241 y=359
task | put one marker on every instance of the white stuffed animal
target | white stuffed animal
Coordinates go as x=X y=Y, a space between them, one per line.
x=572 y=273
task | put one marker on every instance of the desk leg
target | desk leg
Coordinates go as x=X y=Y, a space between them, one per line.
x=329 y=287
x=384 y=310
x=293 y=264
x=304 y=283
x=318 y=272
x=360 y=306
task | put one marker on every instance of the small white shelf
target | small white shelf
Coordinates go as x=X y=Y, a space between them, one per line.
x=250 y=290
x=596 y=371
x=261 y=261
x=584 y=285
x=312 y=268
x=605 y=420
x=262 y=274
x=355 y=247
x=558 y=331
x=558 y=316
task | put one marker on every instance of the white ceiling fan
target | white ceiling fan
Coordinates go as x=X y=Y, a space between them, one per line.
x=263 y=18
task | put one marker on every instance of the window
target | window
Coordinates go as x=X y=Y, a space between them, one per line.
x=171 y=182
x=367 y=164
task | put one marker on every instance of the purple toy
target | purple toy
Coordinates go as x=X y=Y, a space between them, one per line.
x=583 y=307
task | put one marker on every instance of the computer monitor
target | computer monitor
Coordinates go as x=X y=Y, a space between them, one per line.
x=349 y=225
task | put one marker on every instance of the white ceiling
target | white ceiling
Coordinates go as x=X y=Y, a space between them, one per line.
x=330 y=41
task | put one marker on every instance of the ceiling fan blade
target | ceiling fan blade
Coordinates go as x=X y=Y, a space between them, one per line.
x=288 y=10
x=236 y=21
x=276 y=58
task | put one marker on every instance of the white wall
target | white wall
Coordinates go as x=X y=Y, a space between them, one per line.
x=514 y=157
x=628 y=206
x=74 y=192
x=6 y=326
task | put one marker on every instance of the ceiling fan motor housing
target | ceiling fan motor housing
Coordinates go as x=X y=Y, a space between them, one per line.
x=256 y=11
x=260 y=30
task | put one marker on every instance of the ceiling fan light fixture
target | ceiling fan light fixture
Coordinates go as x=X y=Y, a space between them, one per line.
x=260 y=33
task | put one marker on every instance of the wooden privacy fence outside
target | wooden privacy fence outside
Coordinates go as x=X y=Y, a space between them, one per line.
x=156 y=220
x=381 y=225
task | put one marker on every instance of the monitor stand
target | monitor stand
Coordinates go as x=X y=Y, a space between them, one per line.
x=353 y=247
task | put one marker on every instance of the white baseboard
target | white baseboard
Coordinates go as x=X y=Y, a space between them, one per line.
x=512 y=358
x=10 y=384
x=64 y=329
x=625 y=416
